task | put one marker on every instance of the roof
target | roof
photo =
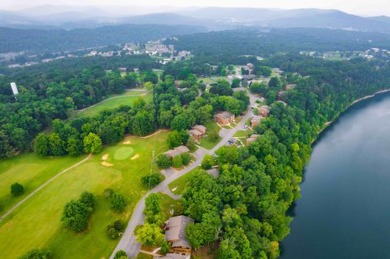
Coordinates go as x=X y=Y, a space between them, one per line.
x=172 y=153
x=182 y=149
x=200 y=128
x=223 y=115
x=256 y=118
x=175 y=233
x=173 y=256
x=195 y=132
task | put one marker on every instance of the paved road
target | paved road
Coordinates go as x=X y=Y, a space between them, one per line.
x=42 y=186
x=128 y=242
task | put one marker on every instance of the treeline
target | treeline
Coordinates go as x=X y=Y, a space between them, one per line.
x=41 y=41
x=50 y=92
x=243 y=212
x=229 y=46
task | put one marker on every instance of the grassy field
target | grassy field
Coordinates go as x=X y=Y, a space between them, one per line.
x=167 y=203
x=31 y=171
x=115 y=101
x=37 y=224
x=206 y=142
x=242 y=133
x=180 y=184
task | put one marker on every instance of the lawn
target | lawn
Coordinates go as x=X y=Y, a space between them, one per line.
x=242 y=133
x=179 y=185
x=167 y=203
x=207 y=142
x=31 y=171
x=115 y=101
x=37 y=223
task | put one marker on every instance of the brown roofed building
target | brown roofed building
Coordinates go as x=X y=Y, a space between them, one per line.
x=224 y=118
x=200 y=128
x=264 y=110
x=175 y=234
x=255 y=121
x=252 y=139
x=197 y=132
x=177 y=151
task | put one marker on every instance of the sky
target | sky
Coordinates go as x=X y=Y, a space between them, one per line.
x=361 y=7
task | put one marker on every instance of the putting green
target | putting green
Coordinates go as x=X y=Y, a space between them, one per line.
x=123 y=153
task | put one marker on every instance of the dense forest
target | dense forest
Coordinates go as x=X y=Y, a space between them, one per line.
x=227 y=46
x=50 y=91
x=41 y=41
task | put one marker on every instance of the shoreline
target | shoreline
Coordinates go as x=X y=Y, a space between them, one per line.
x=328 y=123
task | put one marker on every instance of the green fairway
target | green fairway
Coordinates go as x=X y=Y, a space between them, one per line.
x=127 y=98
x=37 y=223
x=31 y=171
x=123 y=153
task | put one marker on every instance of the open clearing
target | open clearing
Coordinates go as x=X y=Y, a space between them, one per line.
x=31 y=171
x=37 y=223
x=126 y=98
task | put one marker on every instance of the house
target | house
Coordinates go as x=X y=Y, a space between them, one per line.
x=290 y=86
x=202 y=129
x=224 y=118
x=264 y=110
x=173 y=256
x=197 y=132
x=248 y=77
x=252 y=139
x=177 y=151
x=176 y=235
x=255 y=121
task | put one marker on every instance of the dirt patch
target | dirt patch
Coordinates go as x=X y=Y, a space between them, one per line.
x=106 y=164
x=128 y=142
x=135 y=157
x=105 y=157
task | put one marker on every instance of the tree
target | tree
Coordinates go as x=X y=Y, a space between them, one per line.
x=17 y=189
x=118 y=202
x=74 y=146
x=208 y=162
x=186 y=158
x=149 y=235
x=274 y=82
x=176 y=138
x=150 y=181
x=163 y=161
x=36 y=254
x=76 y=213
x=177 y=161
x=221 y=88
x=92 y=143
x=236 y=83
x=120 y=255
x=115 y=229
x=42 y=145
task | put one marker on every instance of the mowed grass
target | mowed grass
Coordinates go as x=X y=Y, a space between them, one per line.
x=37 y=223
x=179 y=185
x=207 y=142
x=128 y=98
x=31 y=171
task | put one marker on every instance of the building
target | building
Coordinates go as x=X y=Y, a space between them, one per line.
x=224 y=118
x=290 y=87
x=251 y=139
x=176 y=235
x=177 y=151
x=197 y=132
x=173 y=256
x=264 y=110
x=255 y=121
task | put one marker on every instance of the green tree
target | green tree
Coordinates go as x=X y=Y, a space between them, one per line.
x=149 y=235
x=177 y=161
x=163 y=161
x=17 y=189
x=42 y=145
x=207 y=162
x=36 y=254
x=118 y=202
x=150 y=181
x=236 y=83
x=92 y=143
x=186 y=158
x=121 y=255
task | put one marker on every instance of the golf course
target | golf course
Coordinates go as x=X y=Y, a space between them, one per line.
x=37 y=222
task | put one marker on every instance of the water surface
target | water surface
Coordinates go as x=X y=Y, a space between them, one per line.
x=344 y=211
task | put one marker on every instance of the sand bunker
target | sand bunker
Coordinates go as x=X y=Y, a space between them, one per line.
x=127 y=142
x=106 y=164
x=135 y=157
x=105 y=157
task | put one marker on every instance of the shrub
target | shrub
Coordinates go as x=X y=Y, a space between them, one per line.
x=77 y=213
x=17 y=189
x=177 y=162
x=118 y=202
x=163 y=161
x=208 y=162
x=186 y=158
x=149 y=181
x=120 y=255
x=115 y=229
x=36 y=254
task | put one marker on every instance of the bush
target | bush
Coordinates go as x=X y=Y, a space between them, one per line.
x=17 y=189
x=165 y=247
x=177 y=162
x=36 y=254
x=149 y=181
x=186 y=158
x=115 y=229
x=208 y=162
x=118 y=202
x=120 y=255
x=163 y=161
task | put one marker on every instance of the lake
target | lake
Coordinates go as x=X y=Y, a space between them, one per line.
x=344 y=211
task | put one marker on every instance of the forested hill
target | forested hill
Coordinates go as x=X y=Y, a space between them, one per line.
x=38 y=41
x=224 y=46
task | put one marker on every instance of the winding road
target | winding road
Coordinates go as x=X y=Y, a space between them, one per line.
x=128 y=241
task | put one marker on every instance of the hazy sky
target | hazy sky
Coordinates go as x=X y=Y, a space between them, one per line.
x=368 y=7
